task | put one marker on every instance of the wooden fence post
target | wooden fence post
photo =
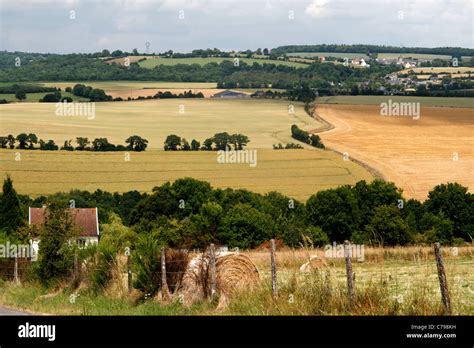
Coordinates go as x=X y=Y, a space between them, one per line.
x=129 y=273
x=274 y=270
x=443 y=283
x=164 y=284
x=349 y=274
x=15 y=270
x=75 y=264
x=212 y=265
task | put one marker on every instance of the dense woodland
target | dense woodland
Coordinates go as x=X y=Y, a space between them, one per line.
x=371 y=49
x=76 y=67
x=190 y=213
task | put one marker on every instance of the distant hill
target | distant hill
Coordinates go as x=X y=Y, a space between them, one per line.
x=366 y=49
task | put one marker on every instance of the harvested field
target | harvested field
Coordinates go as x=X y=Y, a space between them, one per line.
x=415 y=154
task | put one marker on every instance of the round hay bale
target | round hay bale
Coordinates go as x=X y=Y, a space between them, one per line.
x=234 y=271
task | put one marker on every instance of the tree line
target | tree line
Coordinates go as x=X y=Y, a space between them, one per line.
x=302 y=135
x=189 y=213
x=74 y=67
x=220 y=141
x=370 y=49
x=28 y=141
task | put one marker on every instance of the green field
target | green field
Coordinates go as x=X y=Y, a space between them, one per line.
x=375 y=100
x=151 y=63
x=35 y=97
x=414 y=56
x=327 y=54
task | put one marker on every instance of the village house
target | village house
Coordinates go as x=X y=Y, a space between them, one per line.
x=85 y=219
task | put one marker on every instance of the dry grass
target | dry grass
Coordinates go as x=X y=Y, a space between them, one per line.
x=414 y=154
x=390 y=281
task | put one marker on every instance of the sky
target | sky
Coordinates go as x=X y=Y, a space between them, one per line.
x=72 y=26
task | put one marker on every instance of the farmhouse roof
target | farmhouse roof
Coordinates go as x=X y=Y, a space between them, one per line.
x=86 y=219
x=230 y=93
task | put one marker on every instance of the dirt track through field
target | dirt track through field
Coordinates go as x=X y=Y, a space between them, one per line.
x=415 y=154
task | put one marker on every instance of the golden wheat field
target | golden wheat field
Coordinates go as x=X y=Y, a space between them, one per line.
x=296 y=173
x=415 y=154
x=265 y=122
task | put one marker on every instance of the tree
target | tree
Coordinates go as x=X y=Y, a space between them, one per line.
x=172 y=142
x=336 y=211
x=10 y=210
x=222 y=141
x=67 y=146
x=206 y=224
x=141 y=144
x=98 y=95
x=51 y=98
x=3 y=142
x=208 y=144
x=11 y=141
x=315 y=141
x=315 y=236
x=245 y=227
x=195 y=145
x=55 y=256
x=457 y=204
x=239 y=141
x=265 y=51
x=436 y=228
x=20 y=95
x=48 y=146
x=387 y=227
x=32 y=139
x=22 y=138
x=83 y=143
x=136 y=143
x=117 y=53
x=185 y=145
x=102 y=144
x=377 y=193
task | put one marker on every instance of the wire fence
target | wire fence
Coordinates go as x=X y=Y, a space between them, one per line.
x=430 y=273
